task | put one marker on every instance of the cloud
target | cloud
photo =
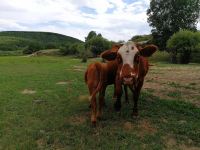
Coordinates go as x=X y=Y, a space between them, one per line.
x=114 y=19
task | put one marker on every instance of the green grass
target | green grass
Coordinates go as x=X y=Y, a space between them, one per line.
x=55 y=117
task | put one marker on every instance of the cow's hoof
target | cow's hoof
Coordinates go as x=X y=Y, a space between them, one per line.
x=117 y=107
x=94 y=123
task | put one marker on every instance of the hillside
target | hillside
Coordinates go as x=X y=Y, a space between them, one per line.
x=19 y=40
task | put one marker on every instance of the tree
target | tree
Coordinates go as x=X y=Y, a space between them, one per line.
x=91 y=34
x=96 y=43
x=184 y=43
x=33 y=47
x=169 y=16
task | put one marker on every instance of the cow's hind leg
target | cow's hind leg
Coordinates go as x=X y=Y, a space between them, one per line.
x=101 y=102
x=93 y=104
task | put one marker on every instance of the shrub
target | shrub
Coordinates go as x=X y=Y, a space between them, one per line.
x=97 y=45
x=72 y=49
x=183 y=42
x=33 y=47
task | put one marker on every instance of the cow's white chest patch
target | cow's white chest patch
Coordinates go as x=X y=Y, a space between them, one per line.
x=128 y=52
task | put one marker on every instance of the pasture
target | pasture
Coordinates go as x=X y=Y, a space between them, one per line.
x=44 y=105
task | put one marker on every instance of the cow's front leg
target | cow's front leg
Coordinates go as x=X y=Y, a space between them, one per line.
x=136 y=93
x=118 y=92
x=135 y=102
x=126 y=94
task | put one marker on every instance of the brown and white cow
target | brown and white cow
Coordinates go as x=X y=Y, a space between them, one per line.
x=132 y=68
x=97 y=77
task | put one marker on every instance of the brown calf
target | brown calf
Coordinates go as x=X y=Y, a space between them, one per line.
x=132 y=68
x=97 y=77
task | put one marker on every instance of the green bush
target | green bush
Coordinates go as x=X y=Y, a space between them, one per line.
x=160 y=56
x=183 y=43
x=72 y=49
x=97 y=45
x=33 y=47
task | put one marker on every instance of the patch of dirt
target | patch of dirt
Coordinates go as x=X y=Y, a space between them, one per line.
x=63 y=82
x=160 y=81
x=145 y=127
x=28 y=91
x=78 y=69
x=128 y=126
x=57 y=145
x=83 y=98
x=169 y=141
x=41 y=143
x=77 y=120
x=39 y=101
x=186 y=147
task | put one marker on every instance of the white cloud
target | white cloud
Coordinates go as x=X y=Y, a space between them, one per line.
x=66 y=17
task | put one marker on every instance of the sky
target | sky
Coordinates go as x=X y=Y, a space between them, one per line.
x=114 y=19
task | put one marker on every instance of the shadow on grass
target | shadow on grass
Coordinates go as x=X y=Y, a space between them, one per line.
x=158 y=120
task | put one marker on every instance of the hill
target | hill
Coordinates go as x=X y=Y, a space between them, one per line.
x=20 y=40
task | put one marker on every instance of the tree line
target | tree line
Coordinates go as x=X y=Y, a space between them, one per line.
x=174 y=24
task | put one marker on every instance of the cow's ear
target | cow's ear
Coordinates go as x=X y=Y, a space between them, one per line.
x=112 y=53
x=147 y=51
x=109 y=55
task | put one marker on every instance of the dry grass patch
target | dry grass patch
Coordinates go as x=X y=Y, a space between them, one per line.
x=170 y=141
x=77 y=119
x=41 y=143
x=175 y=82
x=128 y=126
x=28 y=91
x=63 y=82
x=186 y=147
x=83 y=98
x=144 y=127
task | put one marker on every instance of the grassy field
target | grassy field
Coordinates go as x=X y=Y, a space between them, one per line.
x=44 y=105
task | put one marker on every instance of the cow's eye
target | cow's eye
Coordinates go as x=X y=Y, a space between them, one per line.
x=132 y=47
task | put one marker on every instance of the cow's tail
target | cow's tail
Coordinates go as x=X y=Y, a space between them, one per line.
x=86 y=76
x=100 y=83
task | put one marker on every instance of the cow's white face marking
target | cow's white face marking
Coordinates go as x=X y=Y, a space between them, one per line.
x=128 y=52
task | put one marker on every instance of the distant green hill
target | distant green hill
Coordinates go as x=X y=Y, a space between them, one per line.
x=20 y=40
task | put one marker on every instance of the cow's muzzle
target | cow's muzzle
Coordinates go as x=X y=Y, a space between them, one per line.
x=128 y=81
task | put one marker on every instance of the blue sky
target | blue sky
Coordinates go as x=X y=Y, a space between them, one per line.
x=114 y=19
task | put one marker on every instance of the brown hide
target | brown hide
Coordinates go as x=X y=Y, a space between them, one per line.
x=97 y=77
x=134 y=75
